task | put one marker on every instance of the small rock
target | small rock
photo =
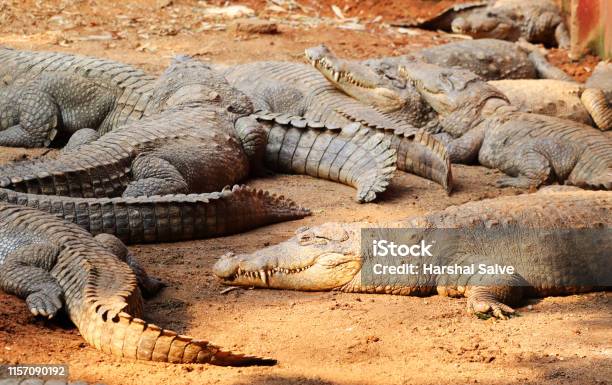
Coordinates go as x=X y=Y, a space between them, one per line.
x=230 y=12
x=370 y=339
x=163 y=3
x=255 y=26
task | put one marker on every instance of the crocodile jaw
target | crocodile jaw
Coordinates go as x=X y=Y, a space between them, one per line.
x=355 y=80
x=432 y=84
x=304 y=262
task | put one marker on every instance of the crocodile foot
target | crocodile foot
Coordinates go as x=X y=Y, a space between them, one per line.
x=150 y=286
x=44 y=304
x=483 y=302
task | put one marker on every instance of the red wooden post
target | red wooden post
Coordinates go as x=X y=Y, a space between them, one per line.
x=591 y=27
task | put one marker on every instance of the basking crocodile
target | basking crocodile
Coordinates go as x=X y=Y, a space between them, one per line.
x=44 y=93
x=376 y=82
x=567 y=100
x=298 y=89
x=167 y=218
x=537 y=21
x=53 y=264
x=533 y=236
x=199 y=136
x=533 y=149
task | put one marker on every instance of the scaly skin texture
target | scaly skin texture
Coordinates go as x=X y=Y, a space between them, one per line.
x=162 y=155
x=328 y=257
x=191 y=124
x=536 y=21
x=46 y=93
x=533 y=149
x=376 y=82
x=54 y=264
x=567 y=100
x=297 y=89
x=352 y=155
x=167 y=218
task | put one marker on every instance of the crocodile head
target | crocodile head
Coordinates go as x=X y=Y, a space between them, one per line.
x=443 y=88
x=485 y=24
x=356 y=80
x=191 y=82
x=326 y=257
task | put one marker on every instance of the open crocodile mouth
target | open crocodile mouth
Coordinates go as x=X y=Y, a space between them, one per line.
x=337 y=75
x=263 y=275
x=325 y=271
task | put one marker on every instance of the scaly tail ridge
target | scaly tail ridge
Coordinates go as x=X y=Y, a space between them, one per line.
x=423 y=155
x=352 y=155
x=129 y=337
x=595 y=102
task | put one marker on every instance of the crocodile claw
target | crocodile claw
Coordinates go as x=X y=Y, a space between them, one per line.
x=43 y=304
x=484 y=306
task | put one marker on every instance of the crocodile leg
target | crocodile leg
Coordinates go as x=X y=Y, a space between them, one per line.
x=35 y=131
x=597 y=105
x=546 y=70
x=148 y=285
x=538 y=161
x=493 y=299
x=26 y=274
x=155 y=176
x=81 y=137
x=465 y=148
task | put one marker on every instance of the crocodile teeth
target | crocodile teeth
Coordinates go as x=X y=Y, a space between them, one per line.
x=263 y=276
x=336 y=76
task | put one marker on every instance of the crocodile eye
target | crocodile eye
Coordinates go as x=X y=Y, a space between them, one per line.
x=308 y=238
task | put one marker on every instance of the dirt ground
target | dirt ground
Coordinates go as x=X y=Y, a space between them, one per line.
x=318 y=338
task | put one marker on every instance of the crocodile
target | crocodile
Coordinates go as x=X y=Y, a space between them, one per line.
x=298 y=89
x=532 y=149
x=376 y=82
x=567 y=100
x=55 y=265
x=195 y=119
x=531 y=227
x=43 y=94
x=167 y=218
x=536 y=21
x=493 y=59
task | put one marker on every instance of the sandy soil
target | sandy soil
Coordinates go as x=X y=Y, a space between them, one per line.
x=318 y=338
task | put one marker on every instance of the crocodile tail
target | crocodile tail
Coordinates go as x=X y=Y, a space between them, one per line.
x=123 y=335
x=423 y=155
x=352 y=155
x=169 y=217
x=70 y=175
x=597 y=105
x=104 y=301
